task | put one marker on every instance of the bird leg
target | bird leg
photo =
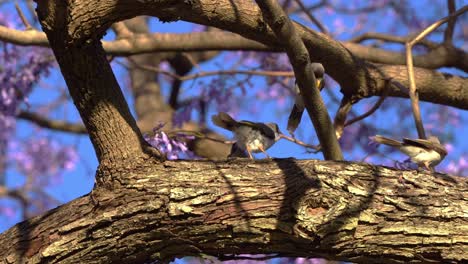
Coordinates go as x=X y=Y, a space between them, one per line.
x=427 y=166
x=249 y=151
x=264 y=152
x=401 y=179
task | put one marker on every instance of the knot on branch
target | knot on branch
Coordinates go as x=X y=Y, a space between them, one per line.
x=319 y=216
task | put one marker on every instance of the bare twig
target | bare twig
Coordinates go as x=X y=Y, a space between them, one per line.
x=372 y=7
x=211 y=73
x=311 y=17
x=198 y=135
x=297 y=141
x=52 y=124
x=373 y=108
x=310 y=8
x=23 y=17
x=409 y=60
x=17 y=195
x=390 y=38
x=448 y=34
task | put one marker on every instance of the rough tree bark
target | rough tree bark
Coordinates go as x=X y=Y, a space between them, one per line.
x=337 y=210
x=144 y=208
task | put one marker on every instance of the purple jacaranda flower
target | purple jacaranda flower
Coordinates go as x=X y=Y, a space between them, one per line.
x=174 y=148
x=40 y=157
x=458 y=167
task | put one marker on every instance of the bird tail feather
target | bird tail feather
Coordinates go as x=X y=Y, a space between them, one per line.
x=294 y=118
x=387 y=141
x=225 y=121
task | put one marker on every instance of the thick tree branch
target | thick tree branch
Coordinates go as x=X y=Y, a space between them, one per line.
x=300 y=60
x=150 y=106
x=294 y=208
x=94 y=89
x=147 y=43
x=353 y=74
x=443 y=56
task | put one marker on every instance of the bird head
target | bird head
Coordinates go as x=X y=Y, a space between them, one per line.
x=319 y=72
x=275 y=129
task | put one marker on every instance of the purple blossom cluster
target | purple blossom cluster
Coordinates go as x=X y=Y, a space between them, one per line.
x=42 y=160
x=458 y=167
x=173 y=147
x=218 y=92
x=277 y=88
x=22 y=67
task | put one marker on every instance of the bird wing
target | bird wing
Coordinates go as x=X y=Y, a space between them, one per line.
x=424 y=143
x=387 y=141
x=264 y=129
x=225 y=121
x=295 y=118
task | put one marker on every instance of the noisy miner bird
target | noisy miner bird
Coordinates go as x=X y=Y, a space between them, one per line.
x=427 y=152
x=250 y=136
x=298 y=108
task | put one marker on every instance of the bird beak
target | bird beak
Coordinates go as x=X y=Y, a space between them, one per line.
x=319 y=83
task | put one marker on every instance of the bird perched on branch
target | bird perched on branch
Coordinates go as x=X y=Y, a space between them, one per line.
x=250 y=136
x=298 y=108
x=427 y=152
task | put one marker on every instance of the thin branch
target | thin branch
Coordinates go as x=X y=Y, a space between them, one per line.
x=357 y=10
x=301 y=143
x=52 y=124
x=299 y=57
x=320 y=4
x=311 y=17
x=196 y=134
x=448 y=34
x=373 y=108
x=211 y=73
x=409 y=60
x=17 y=195
x=23 y=17
x=390 y=38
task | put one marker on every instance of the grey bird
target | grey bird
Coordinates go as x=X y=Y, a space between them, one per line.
x=298 y=108
x=427 y=152
x=250 y=136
